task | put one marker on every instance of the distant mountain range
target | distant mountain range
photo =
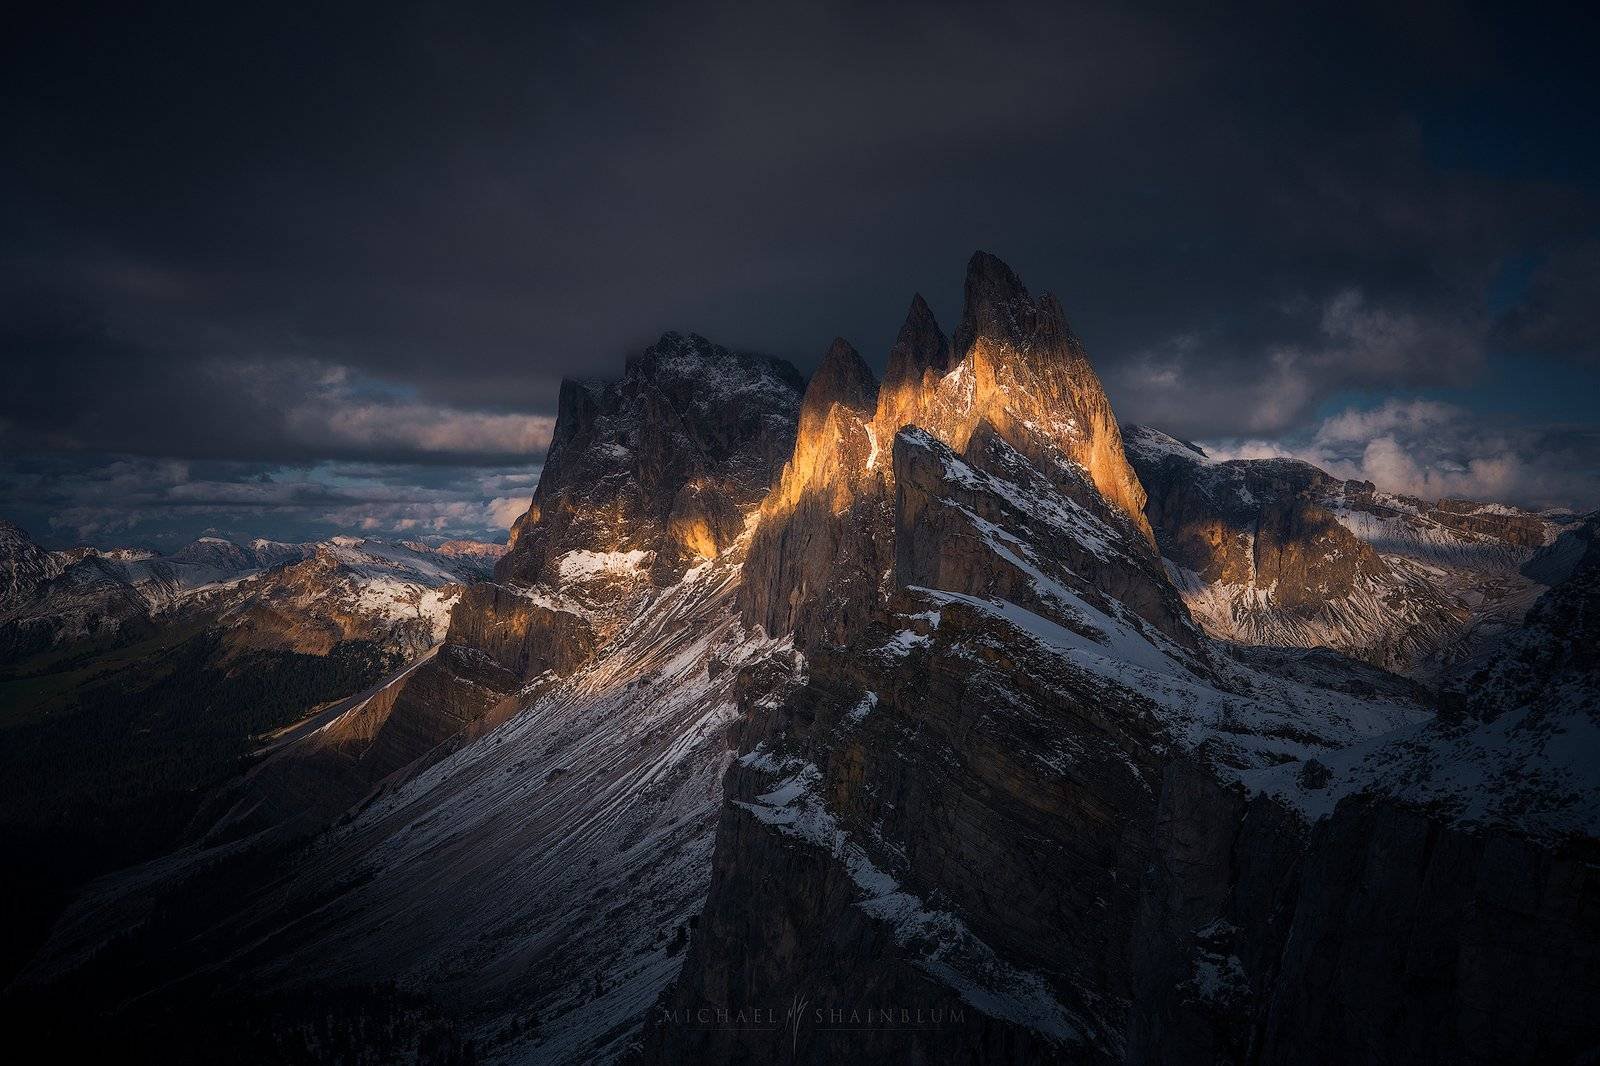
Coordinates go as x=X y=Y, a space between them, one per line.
x=323 y=592
x=939 y=718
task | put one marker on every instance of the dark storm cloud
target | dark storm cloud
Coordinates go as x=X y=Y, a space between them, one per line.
x=1560 y=314
x=384 y=235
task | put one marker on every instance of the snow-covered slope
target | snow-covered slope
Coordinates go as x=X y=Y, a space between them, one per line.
x=349 y=588
x=549 y=870
x=1522 y=751
x=345 y=585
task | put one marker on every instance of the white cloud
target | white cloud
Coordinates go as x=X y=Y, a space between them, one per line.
x=505 y=510
x=419 y=427
x=1437 y=450
x=1188 y=386
x=328 y=409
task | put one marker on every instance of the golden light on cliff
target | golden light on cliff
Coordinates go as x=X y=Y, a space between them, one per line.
x=696 y=535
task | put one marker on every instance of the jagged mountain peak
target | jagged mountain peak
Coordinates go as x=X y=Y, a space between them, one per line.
x=1151 y=443
x=825 y=536
x=921 y=338
x=677 y=358
x=920 y=355
x=842 y=377
x=1031 y=380
x=997 y=307
x=990 y=280
x=665 y=461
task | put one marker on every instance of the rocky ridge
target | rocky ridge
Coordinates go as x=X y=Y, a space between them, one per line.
x=1015 y=374
x=298 y=597
x=1276 y=551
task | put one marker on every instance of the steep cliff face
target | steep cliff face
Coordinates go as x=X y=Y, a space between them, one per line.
x=1015 y=375
x=818 y=552
x=1423 y=897
x=667 y=461
x=1275 y=551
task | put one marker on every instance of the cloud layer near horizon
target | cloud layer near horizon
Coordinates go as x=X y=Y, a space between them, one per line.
x=1437 y=450
x=165 y=502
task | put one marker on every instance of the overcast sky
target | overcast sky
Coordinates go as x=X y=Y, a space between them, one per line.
x=293 y=271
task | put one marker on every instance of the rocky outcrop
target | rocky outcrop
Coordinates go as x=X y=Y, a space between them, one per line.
x=919 y=358
x=1033 y=383
x=666 y=460
x=817 y=554
x=1016 y=374
x=1027 y=811
x=1278 y=552
x=525 y=632
x=991 y=524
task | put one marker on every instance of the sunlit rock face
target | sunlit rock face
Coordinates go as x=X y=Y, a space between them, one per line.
x=1015 y=373
x=1032 y=381
x=820 y=542
x=1011 y=776
x=666 y=461
x=919 y=358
